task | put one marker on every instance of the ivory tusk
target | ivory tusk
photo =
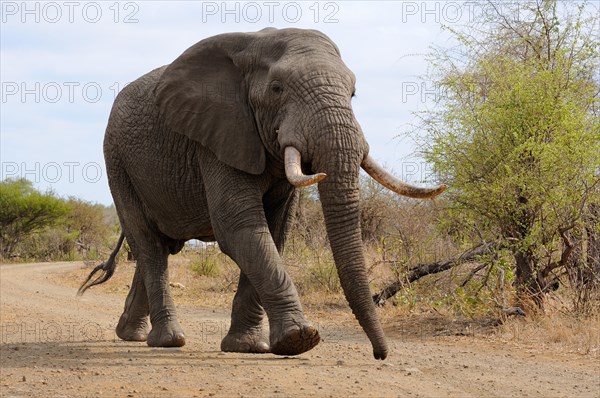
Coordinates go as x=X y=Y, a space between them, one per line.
x=382 y=176
x=293 y=169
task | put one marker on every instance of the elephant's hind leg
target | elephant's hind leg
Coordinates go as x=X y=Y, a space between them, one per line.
x=151 y=279
x=246 y=332
x=133 y=324
x=166 y=330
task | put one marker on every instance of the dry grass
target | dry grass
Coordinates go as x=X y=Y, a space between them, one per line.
x=196 y=290
x=555 y=332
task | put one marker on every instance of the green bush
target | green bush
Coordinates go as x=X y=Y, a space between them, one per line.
x=205 y=267
x=37 y=226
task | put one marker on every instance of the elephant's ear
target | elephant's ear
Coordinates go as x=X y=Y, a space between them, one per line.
x=202 y=95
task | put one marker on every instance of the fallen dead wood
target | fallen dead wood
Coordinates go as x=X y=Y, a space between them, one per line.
x=432 y=268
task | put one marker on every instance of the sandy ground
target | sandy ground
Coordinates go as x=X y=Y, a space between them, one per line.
x=57 y=345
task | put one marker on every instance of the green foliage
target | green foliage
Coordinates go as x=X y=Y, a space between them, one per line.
x=205 y=267
x=25 y=211
x=516 y=134
x=207 y=262
x=41 y=226
x=407 y=297
x=89 y=226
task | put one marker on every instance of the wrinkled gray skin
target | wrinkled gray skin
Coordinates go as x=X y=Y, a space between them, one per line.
x=195 y=150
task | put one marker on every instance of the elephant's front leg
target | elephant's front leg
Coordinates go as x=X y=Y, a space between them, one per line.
x=133 y=324
x=241 y=228
x=253 y=249
x=246 y=332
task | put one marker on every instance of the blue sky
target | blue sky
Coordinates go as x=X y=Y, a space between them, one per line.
x=62 y=63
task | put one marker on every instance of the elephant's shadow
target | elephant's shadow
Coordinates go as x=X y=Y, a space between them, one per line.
x=81 y=356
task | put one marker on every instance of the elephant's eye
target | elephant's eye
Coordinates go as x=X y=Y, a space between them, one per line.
x=276 y=87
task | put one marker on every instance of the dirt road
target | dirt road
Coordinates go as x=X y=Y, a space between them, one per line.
x=57 y=345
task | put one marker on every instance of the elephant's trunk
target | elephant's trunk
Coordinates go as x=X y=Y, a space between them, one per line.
x=339 y=194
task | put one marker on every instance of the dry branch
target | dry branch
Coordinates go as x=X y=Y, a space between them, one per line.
x=432 y=268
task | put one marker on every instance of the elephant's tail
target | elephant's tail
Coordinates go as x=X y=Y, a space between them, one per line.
x=107 y=268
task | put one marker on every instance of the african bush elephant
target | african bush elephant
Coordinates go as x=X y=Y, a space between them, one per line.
x=212 y=147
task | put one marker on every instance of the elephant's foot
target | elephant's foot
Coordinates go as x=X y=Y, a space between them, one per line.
x=132 y=330
x=295 y=339
x=255 y=343
x=167 y=333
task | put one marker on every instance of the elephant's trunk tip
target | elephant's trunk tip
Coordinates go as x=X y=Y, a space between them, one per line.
x=380 y=353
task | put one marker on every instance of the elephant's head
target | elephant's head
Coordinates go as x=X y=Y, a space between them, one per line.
x=283 y=97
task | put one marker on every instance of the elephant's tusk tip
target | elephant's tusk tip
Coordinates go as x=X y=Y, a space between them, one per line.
x=306 y=180
x=434 y=192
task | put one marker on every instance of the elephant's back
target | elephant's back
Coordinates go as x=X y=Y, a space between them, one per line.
x=161 y=164
x=133 y=111
x=142 y=88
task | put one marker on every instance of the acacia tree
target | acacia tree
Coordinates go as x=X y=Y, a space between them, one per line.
x=515 y=133
x=86 y=221
x=25 y=211
x=42 y=226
